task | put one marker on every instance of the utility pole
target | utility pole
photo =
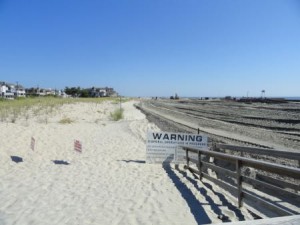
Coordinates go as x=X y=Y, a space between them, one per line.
x=263 y=94
x=17 y=88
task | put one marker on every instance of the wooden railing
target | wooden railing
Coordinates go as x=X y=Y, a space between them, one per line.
x=243 y=194
x=261 y=151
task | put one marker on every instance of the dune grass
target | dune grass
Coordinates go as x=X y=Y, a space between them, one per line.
x=116 y=100
x=118 y=114
x=66 y=120
x=12 y=110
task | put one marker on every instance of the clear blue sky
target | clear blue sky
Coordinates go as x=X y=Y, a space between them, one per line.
x=153 y=47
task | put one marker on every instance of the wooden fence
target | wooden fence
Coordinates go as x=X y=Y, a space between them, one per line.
x=260 y=151
x=243 y=194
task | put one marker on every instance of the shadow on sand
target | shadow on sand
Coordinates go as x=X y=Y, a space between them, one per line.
x=196 y=208
x=211 y=202
x=16 y=159
x=60 y=162
x=133 y=161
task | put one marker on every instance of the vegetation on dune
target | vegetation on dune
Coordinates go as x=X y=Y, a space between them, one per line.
x=12 y=110
x=117 y=100
x=66 y=120
x=118 y=114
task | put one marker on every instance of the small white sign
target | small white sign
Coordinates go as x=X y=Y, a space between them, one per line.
x=77 y=146
x=32 y=144
x=163 y=146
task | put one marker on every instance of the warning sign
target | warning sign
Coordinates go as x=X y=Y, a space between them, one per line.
x=163 y=146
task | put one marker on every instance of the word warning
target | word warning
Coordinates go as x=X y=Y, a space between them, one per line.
x=164 y=146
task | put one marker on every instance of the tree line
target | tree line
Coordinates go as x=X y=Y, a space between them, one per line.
x=77 y=92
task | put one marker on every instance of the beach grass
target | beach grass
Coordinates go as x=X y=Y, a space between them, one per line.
x=66 y=120
x=118 y=114
x=117 y=100
x=12 y=110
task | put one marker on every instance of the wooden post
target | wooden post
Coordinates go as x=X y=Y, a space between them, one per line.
x=214 y=146
x=199 y=165
x=239 y=182
x=187 y=158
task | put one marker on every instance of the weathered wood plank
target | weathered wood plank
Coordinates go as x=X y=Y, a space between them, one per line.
x=242 y=194
x=258 y=164
x=280 y=191
x=200 y=164
x=225 y=186
x=278 y=183
x=192 y=160
x=190 y=149
x=187 y=158
x=239 y=182
x=249 y=198
x=219 y=169
x=262 y=151
x=231 y=189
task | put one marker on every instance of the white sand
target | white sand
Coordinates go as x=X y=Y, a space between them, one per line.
x=108 y=183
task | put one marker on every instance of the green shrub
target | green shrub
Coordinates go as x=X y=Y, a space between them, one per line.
x=66 y=120
x=117 y=115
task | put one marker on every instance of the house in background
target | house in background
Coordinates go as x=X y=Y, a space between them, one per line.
x=111 y=92
x=20 y=91
x=40 y=91
x=32 y=91
x=5 y=92
x=46 y=92
x=97 y=92
x=61 y=93
x=102 y=92
x=11 y=91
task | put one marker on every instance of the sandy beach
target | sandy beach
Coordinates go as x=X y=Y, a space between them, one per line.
x=149 y=112
x=108 y=183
